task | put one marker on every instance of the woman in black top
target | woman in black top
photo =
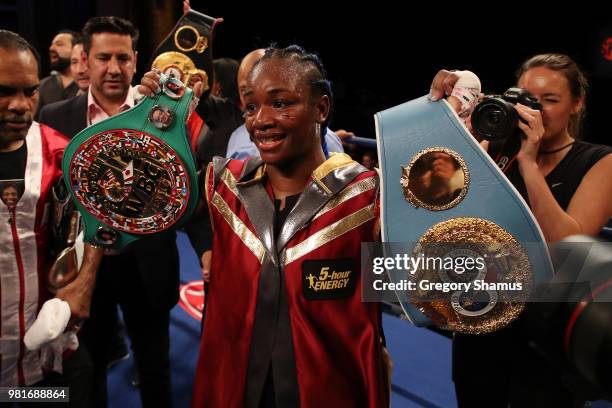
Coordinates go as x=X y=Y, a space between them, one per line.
x=551 y=136
x=568 y=186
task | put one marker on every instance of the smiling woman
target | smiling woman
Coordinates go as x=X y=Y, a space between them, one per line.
x=288 y=105
x=286 y=257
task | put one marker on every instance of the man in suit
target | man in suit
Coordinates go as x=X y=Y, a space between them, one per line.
x=144 y=279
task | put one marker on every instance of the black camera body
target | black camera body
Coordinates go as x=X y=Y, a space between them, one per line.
x=569 y=321
x=495 y=118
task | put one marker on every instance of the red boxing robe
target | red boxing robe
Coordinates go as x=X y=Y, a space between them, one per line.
x=24 y=262
x=289 y=306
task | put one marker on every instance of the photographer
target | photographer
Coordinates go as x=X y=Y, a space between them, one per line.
x=567 y=184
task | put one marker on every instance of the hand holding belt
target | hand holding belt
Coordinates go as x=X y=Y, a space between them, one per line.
x=442 y=196
x=133 y=175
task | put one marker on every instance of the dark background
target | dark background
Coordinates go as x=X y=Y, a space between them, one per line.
x=377 y=55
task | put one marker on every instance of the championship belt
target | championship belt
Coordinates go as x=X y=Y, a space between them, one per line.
x=444 y=200
x=186 y=53
x=133 y=175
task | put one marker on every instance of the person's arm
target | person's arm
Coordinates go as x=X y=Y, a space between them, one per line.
x=589 y=208
x=78 y=292
x=70 y=306
x=199 y=231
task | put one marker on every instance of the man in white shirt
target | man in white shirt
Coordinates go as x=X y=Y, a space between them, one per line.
x=142 y=280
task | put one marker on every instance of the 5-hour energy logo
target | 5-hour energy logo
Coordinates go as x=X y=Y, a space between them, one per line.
x=328 y=279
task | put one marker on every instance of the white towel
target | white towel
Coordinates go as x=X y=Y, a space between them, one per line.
x=50 y=323
x=52 y=354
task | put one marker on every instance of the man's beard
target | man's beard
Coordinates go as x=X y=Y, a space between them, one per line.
x=7 y=138
x=9 y=135
x=60 y=64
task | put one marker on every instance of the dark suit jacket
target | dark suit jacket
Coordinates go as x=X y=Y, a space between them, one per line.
x=222 y=116
x=68 y=117
x=52 y=90
x=157 y=256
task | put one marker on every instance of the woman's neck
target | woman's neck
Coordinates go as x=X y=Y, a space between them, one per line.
x=556 y=142
x=552 y=152
x=291 y=178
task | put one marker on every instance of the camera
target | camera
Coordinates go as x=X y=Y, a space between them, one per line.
x=571 y=324
x=495 y=117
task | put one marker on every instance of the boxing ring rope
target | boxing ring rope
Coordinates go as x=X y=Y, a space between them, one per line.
x=361 y=141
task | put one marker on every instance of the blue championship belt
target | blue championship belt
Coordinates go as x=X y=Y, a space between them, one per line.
x=133 y=174
x=443 y=200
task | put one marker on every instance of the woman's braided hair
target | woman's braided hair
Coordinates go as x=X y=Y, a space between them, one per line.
x=314 y=73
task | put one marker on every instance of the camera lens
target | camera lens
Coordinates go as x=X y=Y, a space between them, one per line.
x=494 y=119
